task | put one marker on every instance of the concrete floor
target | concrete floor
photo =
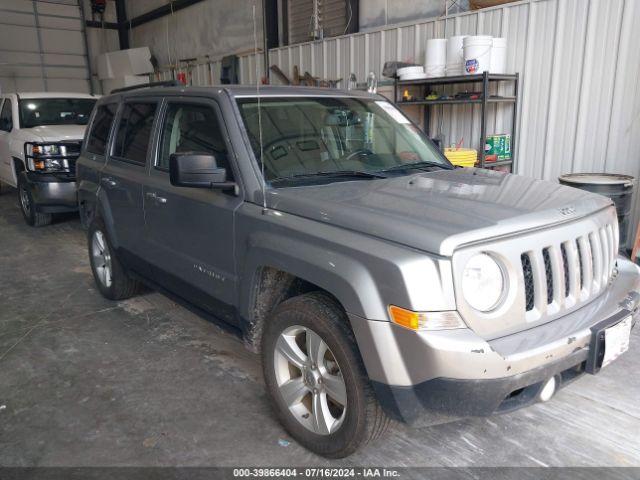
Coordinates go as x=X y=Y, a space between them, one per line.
x=85 y=381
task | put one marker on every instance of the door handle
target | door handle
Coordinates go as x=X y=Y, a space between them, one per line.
x=154 y=196
x=108 y=182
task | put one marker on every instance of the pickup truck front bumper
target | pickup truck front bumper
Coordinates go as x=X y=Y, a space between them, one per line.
x=432 y=377
x=53 y=193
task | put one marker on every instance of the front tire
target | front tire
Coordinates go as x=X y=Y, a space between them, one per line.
x=316 y=378
x=28 y=207
x=110 y=276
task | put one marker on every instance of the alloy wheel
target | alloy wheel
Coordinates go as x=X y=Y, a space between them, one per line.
x=25 y=201
x=101 y=258
x=310 y=380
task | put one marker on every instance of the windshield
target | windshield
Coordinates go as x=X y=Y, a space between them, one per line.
x=318 y=136
x=55 y=111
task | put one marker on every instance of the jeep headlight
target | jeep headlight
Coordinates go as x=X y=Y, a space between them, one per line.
x=483 y=282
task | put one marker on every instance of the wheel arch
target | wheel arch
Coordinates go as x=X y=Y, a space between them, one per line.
x=272 y=275
x=17 y=167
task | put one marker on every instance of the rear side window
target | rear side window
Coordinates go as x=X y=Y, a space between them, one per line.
x=134 y=132
x=99 y=135
x=6 y=122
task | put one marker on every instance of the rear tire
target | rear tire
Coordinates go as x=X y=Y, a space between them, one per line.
x=334 y=384
x=28 y=207
x=110 y=276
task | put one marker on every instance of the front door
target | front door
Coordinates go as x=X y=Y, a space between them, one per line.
x=123 y=176
x=189 y=231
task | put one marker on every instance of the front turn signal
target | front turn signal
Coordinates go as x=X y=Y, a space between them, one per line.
x=425 y=320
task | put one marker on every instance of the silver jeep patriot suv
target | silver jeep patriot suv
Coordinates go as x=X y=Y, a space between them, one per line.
x=377 y=281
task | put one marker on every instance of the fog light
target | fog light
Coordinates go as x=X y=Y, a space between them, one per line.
x=548 y=389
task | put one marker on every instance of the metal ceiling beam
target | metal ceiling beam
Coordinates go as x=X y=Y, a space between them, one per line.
x=147 y=17
x=123 y=30
x=96 y=24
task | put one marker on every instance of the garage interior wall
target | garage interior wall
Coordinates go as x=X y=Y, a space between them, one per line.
x=579 y=62
x=42 y=46
x=208 y=28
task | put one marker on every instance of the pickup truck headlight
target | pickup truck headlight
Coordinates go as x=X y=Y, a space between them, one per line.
x=483 y=282
x=41 y=158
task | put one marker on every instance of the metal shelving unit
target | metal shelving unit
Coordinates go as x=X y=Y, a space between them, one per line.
x=485 y=99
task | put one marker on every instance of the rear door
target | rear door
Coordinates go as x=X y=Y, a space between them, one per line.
x=92 y=159
x=6 y=126
x=190 y=231
x=124 y=175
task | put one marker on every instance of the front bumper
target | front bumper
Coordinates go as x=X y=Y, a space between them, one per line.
x=53 y=193
x=437 y=376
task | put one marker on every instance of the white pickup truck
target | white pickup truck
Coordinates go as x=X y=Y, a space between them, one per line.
x=40 y=139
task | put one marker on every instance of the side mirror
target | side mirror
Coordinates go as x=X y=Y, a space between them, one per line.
x=197 y=170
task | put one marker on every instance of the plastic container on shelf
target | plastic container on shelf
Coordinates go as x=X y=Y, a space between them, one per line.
x=455 y=55
x=477 y=54
x=462 y=157
x=499 y=55
x=435 y=58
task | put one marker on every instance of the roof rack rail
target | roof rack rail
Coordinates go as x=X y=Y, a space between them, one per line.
x=166 y=83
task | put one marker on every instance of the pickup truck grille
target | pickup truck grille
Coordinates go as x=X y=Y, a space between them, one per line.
x=580 y=267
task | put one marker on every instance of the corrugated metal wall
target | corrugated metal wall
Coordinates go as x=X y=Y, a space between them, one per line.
x=42 y=46
x=579 y=63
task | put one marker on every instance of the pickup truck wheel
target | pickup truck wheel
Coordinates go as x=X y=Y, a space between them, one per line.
x=31 y=216
x=316 y=378
x=110 y=276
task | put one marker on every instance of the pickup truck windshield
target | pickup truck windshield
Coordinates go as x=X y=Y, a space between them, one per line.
x=319 y=136
x=35 y=112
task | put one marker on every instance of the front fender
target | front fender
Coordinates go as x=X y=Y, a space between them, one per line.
x=347 y=279
x=364 y=273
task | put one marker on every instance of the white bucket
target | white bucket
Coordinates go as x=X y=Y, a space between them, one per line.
x=409 y=70
x=454 y=49
x=477 y=54
x=435 y=71
x=499 y=56
x=454 y=69
x=435 y=57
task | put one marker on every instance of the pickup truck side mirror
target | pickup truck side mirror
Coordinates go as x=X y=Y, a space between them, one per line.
x=197 y=170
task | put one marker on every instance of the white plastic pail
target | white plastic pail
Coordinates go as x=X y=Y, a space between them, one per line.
x=477 y=54
x=435 y=57
x=499 y=56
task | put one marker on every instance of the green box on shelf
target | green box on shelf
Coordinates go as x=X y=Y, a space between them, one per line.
x=498 y=145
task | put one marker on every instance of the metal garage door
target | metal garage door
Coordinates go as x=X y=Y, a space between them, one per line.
x=42 y=46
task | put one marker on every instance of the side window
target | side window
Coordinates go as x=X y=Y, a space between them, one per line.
x=192 y=128
x=134 y=131
x=6 y=120
x=99 y=134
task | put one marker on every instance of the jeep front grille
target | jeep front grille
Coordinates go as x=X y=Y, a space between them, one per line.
x=576 y=269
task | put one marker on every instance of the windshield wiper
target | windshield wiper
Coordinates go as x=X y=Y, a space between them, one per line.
x=337 y=173
x=415 y=166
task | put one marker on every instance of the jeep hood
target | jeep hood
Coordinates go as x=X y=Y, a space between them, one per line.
x=442 y=210
x=54 y=133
